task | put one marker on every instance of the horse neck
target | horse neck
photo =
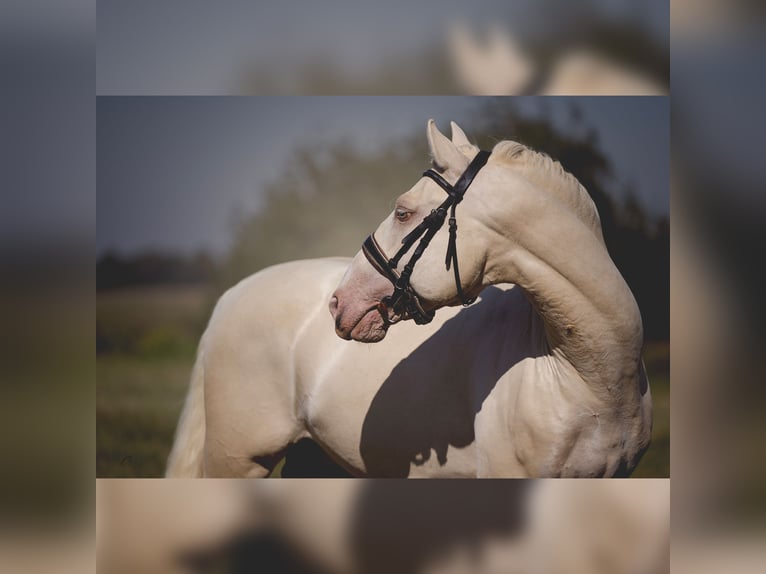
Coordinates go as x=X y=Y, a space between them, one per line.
x=591 y=318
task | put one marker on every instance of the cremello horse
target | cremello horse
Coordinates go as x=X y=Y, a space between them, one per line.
x=542 y=376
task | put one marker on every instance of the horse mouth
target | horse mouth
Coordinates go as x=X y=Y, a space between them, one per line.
x=372 y=325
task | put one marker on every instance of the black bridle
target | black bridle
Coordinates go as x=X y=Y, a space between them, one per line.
x=404 y=301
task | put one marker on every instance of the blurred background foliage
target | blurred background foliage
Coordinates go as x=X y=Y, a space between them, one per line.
x=152 y=307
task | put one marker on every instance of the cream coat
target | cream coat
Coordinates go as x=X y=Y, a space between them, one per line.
x=541 y=377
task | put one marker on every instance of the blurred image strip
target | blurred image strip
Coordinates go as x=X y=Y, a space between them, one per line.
x=47 y=232
x=718 y=308
x=47 y=313
x=380 y=527
x=485 y=47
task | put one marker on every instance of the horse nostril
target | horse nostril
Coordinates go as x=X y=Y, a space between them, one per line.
x=333 y=306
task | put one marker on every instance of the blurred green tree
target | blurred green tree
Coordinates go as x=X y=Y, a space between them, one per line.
x=324 y=204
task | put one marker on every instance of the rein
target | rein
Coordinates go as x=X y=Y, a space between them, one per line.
x=405 y=300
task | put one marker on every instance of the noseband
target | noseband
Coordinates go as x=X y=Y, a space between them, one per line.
x=404 y=301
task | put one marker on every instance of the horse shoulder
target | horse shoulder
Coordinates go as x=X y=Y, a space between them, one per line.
x=248 y=357
x=272 y=304
x=563 y=428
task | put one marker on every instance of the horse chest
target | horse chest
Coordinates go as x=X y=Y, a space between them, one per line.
x=412 y=417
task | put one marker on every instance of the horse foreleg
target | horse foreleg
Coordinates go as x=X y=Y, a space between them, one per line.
x=252 y=453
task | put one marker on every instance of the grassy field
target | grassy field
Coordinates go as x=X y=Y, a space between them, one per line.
x=146 y=342
x=137 y=404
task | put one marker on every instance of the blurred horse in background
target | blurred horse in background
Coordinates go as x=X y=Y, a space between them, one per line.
x=498 y=66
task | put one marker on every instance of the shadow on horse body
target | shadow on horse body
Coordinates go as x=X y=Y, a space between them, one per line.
x=431 y=399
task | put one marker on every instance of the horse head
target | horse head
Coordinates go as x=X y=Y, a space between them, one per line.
x=399 y=275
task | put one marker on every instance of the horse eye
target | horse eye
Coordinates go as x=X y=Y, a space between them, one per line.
x=402 y=214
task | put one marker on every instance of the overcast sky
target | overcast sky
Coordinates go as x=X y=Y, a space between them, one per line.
x=172 y=172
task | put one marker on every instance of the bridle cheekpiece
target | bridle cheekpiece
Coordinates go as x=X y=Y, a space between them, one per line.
x=404 y=301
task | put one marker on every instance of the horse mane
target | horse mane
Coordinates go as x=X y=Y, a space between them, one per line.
x=547 y=173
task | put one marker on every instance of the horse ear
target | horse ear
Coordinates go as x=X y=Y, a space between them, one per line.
x=461 y=140
x=445 y=154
